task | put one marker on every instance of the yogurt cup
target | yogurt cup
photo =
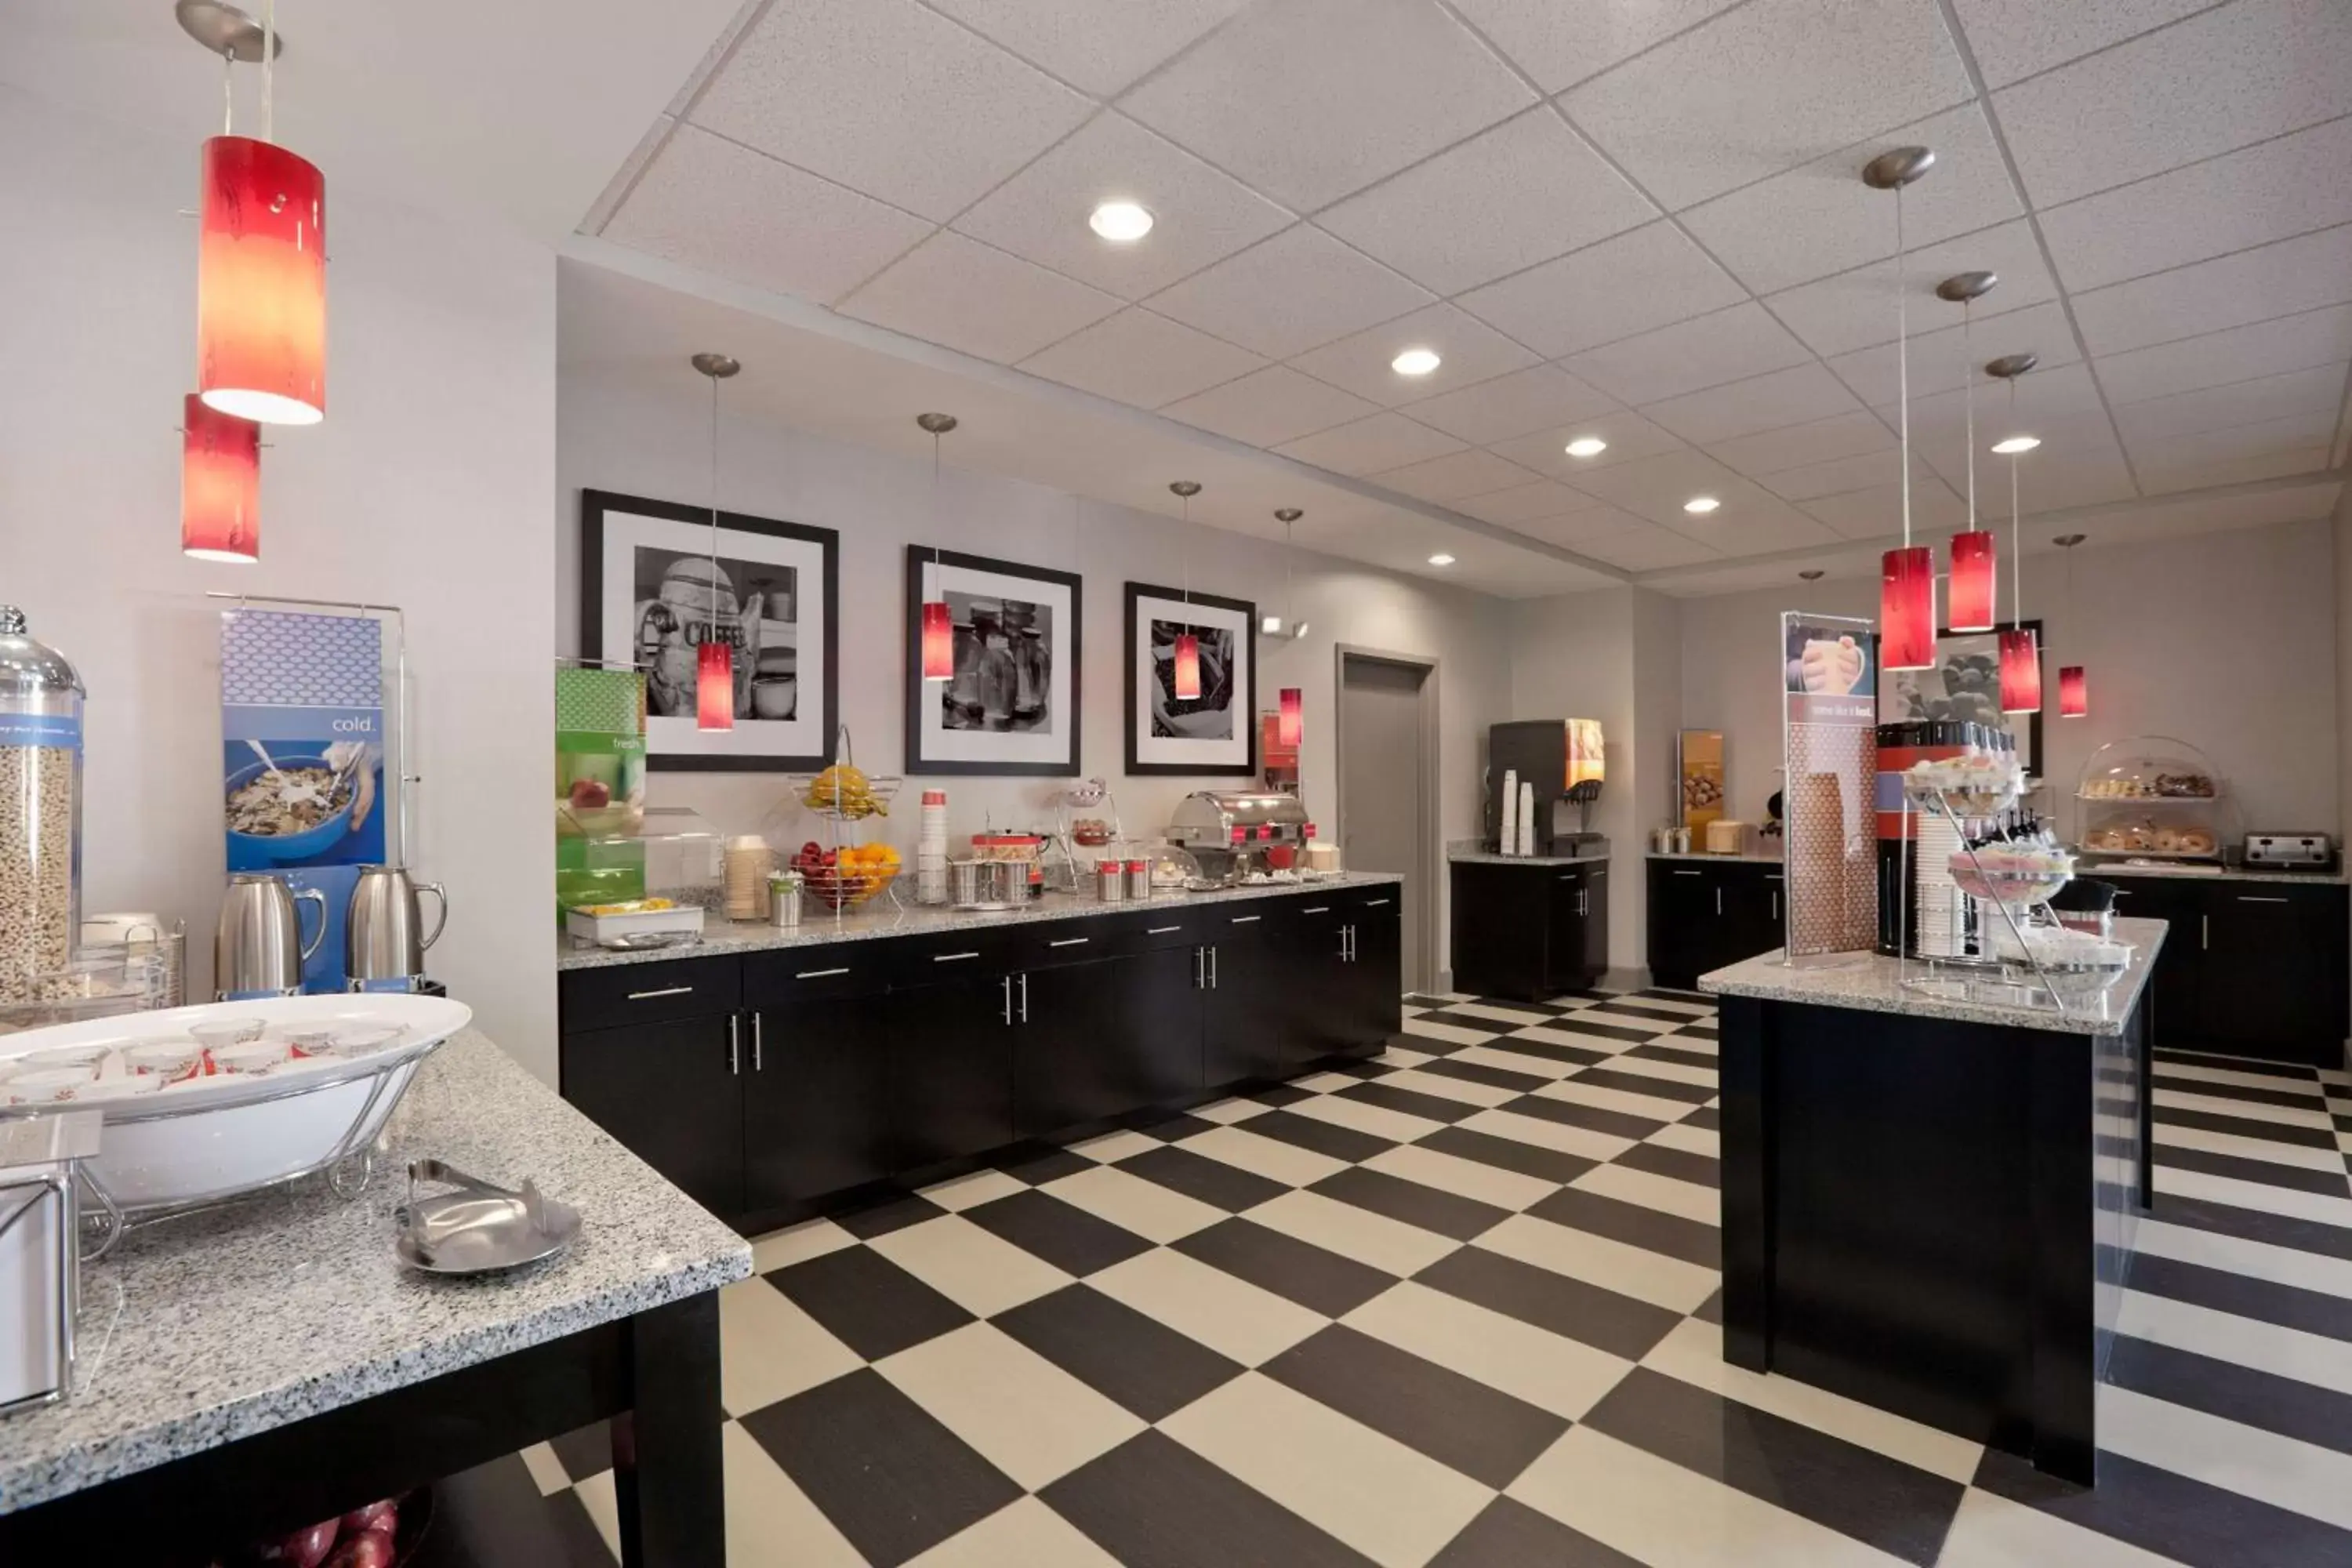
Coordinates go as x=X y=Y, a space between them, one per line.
x=165 y=1061
x=88 y=1056
x=308 y=1039
x=215 y=1033
x=362 y=1039
x=251 y=1056
x=125 y=1087
x=47 y=1086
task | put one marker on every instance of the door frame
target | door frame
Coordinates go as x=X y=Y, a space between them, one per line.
x=1425 y=868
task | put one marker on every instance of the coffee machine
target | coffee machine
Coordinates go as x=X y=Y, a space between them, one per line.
x=1562 y=759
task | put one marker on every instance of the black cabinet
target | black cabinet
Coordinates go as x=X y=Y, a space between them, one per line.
x=1706 y=914
x=1529 y=931
x=2177 y=989
x=1068 y=1068
x=2254 y=969
x=817 y=1104
x=672 y=1091
x=1155 y=1028
x=1247 y=1002
x=1370 y=1002
x=951 y=1049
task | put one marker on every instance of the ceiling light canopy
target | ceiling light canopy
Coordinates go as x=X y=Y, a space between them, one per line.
x=1122 y=223
x=1416 y=362
x=1699 y=506
x=1441 y=559
x=1587 y=446
x=2009 y=447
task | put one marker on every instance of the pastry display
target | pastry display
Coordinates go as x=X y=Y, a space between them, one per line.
x=1975 y=783
x=2013 y=874
x=2157 y=786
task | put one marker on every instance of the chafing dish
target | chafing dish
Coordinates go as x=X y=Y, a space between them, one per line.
x=1229 y=832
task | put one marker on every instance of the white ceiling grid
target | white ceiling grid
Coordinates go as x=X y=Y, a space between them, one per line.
x=1638 y=219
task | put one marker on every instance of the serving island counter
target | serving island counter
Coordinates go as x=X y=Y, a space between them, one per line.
x=1930 y=1202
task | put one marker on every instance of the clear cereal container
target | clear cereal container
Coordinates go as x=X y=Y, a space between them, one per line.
x=40 y=808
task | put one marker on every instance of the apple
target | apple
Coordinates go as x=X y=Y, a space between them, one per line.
x=590 y=795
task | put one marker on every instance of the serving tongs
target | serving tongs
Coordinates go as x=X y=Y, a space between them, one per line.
x=480 y=1227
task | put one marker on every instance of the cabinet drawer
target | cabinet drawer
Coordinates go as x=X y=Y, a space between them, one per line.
x=1091 y=937
x=936 y=957
x=779 y=978
x=625 y=994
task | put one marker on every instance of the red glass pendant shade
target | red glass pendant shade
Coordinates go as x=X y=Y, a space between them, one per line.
x=1292 y=721
x=1188 y=667
x=2020 y=671
x=1968 y=605
x=939 y=640
x=714 y=687
x=220 y=485
x=1907 y=608
x=261 y=283
x=2074 y=692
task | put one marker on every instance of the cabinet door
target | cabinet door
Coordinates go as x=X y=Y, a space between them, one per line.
x=1595 y=933
x=2274 y=970
x=1319 y=1008
x=1499 y=917
x=2179 y=988
x=1244 y=1015
x=1156 y=1022
x=1070 y=1064
x=1684 y=925
x=1375 y=981
x=950 y=1070
x=1750 y=922
x=672 y=1092
x=816 y=1102
x=1566 y=898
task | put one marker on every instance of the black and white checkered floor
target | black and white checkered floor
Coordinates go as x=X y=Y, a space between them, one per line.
x=1457 y=1306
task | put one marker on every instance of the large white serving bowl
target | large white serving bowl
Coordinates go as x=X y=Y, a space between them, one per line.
x=216 y=1137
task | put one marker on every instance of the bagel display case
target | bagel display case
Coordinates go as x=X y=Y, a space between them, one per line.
x=2151 y=797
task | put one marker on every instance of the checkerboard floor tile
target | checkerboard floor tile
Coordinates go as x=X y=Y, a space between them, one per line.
x=1458 y=1307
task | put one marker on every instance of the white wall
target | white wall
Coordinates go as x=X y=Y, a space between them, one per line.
x=621 y=436
x=426 y=488
x=2225 y=640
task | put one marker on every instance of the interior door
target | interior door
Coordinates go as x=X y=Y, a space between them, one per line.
x=1384 y=821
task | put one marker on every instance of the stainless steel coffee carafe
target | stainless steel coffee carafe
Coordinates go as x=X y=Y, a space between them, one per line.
x=383 y=932
x=259 y=949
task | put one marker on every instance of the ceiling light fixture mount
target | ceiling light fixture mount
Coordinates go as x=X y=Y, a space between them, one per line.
x=1812 y=574
x=1898 y=167
x=1120 y=222
x=1586 y=447
x=226 y=30
x=1963 y=287
x=1416 y=362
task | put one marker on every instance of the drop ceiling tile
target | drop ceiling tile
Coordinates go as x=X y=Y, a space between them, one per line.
x=1142 y=359
x=2278 y=279
x=2079 y=460
x=2170 y=480
x=1471 y=473
x=1868 y=470
x=2016 y=39
x=1752 y=522
x=1821 y=219
x=2235 y=75
x=2319 y=390
x=708 y=204
x=1878 y=513
x=2044 y=399
x=1532 y=399
x=1760 y=403
x=2239 y=442
x=1528 y=190
x=1729 y=345
x=887 y=97
x=1299 y=290
x=2281 y=188
x=2240 y=353
x=962 y=295
x=1940 y=360
x=1656 y=488
x=1270 y=406
x=1855 y=309
x=1561 y=42
x=1544 y=498
x=1801 y=446
x=1584 y=526
x=1311 y=100
x=1766 y=87
x=1468 y=352
x=1630 y=438
x=1097 y=46
x=1384 y=440
x=1649 y=278
x=1201 y=215
x=1647 y=548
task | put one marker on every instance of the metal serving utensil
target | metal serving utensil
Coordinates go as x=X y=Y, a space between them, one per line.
x=482 y=1227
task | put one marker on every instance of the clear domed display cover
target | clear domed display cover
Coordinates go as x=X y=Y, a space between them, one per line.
x=2151 y=796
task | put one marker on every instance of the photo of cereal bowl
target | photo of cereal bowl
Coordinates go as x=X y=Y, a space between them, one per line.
x=296 y=811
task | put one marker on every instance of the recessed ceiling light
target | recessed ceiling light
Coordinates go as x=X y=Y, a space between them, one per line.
x=1587 y=446
x=2016 y=443
x=1122 y=223
x=1701 y=504
x=1441 y=559
x=1414 y=362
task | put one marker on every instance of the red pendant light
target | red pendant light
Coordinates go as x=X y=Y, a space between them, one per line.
x=1969 y=603
x=939 y=640
x=261 y=283
x=1907 y=608
x=220 y=485
x=1292 y=722
x=1188 y=667
x=714 y=687
x=2020 y=671
x=2074 y=692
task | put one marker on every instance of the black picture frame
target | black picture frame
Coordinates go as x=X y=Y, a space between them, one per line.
x=1070 y=637
x=597 y=506
x=1244 y=700
x=1893 y=708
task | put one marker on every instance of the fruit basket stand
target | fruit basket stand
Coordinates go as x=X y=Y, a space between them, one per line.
x=840 y=869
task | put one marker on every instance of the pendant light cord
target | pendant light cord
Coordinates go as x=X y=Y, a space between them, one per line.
x=935 y=512
x=1187 y=553
x=228 y=93
x=1290 y=578
x=1968 y=352
x=2016 y=553
x=1903 y=364
x=269 y=49
x=714 y=508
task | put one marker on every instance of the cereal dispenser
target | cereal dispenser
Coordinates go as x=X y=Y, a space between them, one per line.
x=40 y=808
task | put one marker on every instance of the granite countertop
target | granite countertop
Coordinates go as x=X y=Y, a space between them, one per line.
x=2110 y=872
x=210 y=1329
x=880 y=919
x=1875 y=984
x=1746 y=857
x=1474 y=852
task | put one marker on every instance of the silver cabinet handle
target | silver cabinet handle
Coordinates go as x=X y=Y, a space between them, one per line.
x=952 y=957
x=1689 y=873
x=735 y=1043
x=820 y=973
x=664 y=990
x=1212 y=969
x=1317 y=909
x=1718 y=900
x=1375 y=903
x=1006 y=982
x=1244 y=919
x=2122 y=893
x=1776 y=903
x=1200 y=969
x=2204 y=931
x=1161 y=930
x=1565 y=876
x=759 y=1040
x=2261 y=899
x=1774 y=877
x=1071 y=942
x=1024 y=995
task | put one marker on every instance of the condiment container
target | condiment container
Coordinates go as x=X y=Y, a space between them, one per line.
x=1139 y=878
x=39 y=1268
x=47 y=1086
x=170 y=1060
x=785 y=898
x=1110 y=881
x=40 y=831
x=252 y=1055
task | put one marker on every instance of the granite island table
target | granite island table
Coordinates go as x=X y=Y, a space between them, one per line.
x=249 y=1370
x=1930 y=1202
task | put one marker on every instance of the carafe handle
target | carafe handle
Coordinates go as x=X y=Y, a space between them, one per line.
x=440 y=897
x=310 y=895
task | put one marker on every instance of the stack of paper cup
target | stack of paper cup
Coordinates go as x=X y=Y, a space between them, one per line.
x=931 y=850
x=748 y=862
x=1526 y=819
x=1507 y=840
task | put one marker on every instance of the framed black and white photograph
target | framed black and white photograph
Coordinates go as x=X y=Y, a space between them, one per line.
x=651 y=593
x=1964 y=683
x=1215 y=733
x=1011 y=706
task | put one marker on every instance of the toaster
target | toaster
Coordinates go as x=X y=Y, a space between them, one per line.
x=2293 y=850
